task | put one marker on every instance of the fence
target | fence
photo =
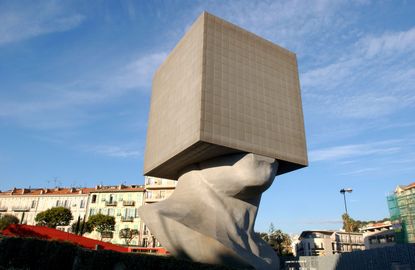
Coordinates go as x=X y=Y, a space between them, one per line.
x=398 y=257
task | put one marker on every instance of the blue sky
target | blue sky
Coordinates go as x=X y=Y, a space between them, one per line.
x=76 y=82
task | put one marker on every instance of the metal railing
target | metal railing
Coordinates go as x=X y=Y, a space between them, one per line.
x=111 y=203
x=128 y=203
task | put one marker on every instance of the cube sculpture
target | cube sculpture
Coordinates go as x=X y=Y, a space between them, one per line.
x=224 y=90
x=225 y=119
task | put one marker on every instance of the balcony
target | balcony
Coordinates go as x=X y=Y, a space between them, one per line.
x=107 y=235
x=127 y=219
x=128 y=203
x=3 y=209
x=111 y=203
x=155 y=198
x=20 y=209
x=160 y=185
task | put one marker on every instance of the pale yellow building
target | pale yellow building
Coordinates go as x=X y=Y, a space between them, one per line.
x=25 y=204
x=122 y=203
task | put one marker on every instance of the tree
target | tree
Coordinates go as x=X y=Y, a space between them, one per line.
x=83 y=227
x=101 y=223
x=53 y=217
x=128 y=234
x=6 y=220
x=279 y=241
x=351 y=225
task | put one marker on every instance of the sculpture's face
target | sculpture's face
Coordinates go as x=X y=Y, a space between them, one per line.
x=240 y=175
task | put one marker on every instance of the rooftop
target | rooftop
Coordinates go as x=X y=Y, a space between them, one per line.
x=46 y=191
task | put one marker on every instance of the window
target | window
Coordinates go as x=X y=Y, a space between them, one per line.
x=111 y=198
x=149 y=195
x=94 y=199
x=82 y=205
x=33 y=204
x=91 y=211
x=111 y=212
x=58 y=203
x=66 y=203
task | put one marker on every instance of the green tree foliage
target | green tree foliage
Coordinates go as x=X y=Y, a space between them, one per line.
x=279 y=241
x=128 y=234
x=83 y=227
x=6 y=220
x=101 y=223
x=351 y=225
x=53 y=217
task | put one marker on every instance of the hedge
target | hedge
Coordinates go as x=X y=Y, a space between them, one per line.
x=31 y=253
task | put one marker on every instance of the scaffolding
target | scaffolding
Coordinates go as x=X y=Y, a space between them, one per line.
x=402 y=212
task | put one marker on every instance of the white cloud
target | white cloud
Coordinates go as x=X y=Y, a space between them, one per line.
x=354 y=151
x=374 y=77
x=19 y=22
x=115 y=151
x=360 y=171
x=66 y=104
x=139 y=73
x=388 y=43
x=289 y=23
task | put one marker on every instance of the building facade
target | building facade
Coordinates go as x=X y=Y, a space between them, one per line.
x=378 y=235
x=401 y=206
x=122 y=203
x=322 y=243
x=25 y=204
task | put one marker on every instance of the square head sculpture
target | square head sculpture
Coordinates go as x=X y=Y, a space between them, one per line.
x=224 y=90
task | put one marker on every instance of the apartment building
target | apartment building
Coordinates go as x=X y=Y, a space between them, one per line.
x=378 y=235
x=122 y=203
x=25 y=204
x=326 y=242
x=119 y=201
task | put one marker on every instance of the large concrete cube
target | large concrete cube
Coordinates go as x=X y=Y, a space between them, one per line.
x=224 y=90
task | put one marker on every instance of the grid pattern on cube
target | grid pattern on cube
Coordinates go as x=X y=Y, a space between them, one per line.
x=224 y=90
x=251 y=97
x=174 y=120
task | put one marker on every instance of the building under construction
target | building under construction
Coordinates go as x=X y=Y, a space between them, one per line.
x=402 y=212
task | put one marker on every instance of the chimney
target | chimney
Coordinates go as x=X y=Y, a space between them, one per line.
x=71 y=190
x=56 y=188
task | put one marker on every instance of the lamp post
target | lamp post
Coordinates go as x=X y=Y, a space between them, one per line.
x=343 y=191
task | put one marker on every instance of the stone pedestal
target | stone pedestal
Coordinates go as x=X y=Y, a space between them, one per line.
x=211 y=215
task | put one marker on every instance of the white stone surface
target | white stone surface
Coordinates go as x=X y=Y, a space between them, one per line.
x=211 y=215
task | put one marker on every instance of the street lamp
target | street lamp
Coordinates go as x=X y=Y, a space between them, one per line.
x=343 y=191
